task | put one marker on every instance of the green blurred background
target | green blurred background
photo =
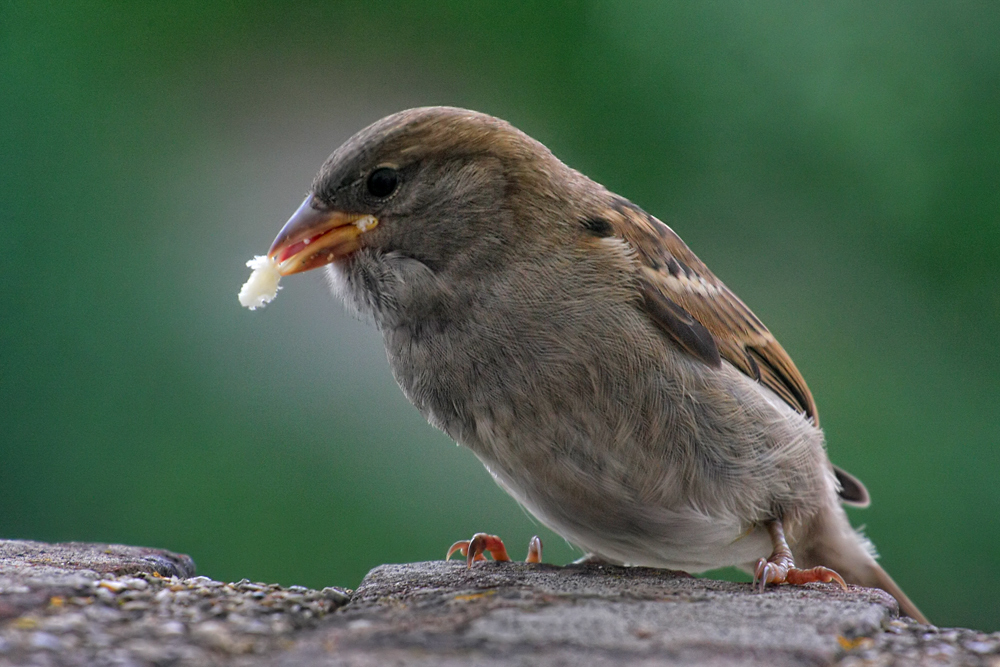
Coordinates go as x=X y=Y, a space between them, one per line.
x=837 y=165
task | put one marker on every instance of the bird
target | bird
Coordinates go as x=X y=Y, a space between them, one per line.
x=603 y=375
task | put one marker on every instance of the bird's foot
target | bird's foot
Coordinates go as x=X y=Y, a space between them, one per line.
x=769 y=571
x=480 y=543
x=780 y=568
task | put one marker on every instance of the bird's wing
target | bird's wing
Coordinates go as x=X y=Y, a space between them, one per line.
x=699 y=312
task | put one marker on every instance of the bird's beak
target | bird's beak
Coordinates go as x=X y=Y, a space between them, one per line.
x=315 y=236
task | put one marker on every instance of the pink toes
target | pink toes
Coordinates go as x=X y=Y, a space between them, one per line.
x=480 y=543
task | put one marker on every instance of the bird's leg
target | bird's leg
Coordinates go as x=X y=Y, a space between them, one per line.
x=481 y=543
x=780 y=567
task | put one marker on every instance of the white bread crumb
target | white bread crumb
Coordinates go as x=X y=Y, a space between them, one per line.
x=262 y=285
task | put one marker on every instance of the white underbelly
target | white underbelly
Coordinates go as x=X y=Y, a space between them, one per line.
x=673 y=538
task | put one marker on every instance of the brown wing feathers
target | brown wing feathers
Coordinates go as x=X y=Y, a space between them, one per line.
x=684 y=329
x=687 y=301
x=699 y=312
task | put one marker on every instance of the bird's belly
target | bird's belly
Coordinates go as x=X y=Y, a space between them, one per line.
x=679 y=537
x=633 y=451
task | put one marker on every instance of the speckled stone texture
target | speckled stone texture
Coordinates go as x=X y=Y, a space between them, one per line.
x=515 y=613
x=100 y=604
x=110 y=605
x=33 y=572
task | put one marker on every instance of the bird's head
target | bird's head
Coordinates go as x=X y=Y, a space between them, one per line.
x=437 y=184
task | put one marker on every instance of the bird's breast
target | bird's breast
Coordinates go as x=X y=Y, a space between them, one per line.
x=595 y=422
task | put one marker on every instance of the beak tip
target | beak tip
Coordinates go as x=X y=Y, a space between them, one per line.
x=313 y=237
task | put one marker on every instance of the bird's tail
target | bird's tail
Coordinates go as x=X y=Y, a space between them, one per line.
x=829 y=540
x=884 y=581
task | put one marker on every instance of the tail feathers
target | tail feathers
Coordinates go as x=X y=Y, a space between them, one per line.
x=885 y=582
x=830 y=541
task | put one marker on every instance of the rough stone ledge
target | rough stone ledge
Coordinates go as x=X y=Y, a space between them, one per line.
x=87 y=604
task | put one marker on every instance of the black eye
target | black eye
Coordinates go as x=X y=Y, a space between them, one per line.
x=383 y=181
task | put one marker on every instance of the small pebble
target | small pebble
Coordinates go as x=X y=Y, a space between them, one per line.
x=981 y=646
x=941 y=649
x=27 y=622
x=137 y=584
x=336 y=595
x=15 y=589
x=46 y=641
x=171 y=629
x=104 y=595
x=113 y=586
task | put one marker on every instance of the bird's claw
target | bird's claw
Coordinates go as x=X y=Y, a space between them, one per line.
x=480 y=543
x=771 y=572
x=764 y=574
x=534 y=550
x=780 y=567
x=475 y=548
x=819 y=573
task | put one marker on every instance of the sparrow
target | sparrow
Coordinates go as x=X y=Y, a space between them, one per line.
x=603 y=375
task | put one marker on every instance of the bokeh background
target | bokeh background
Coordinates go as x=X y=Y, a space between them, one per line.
x=835 y=163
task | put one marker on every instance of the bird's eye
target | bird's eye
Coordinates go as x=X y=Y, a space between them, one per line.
x=383 y=181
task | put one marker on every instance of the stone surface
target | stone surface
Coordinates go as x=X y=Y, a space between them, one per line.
x=98 y=604
x=515 y=613
x=79 y=604
x=32 y=572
